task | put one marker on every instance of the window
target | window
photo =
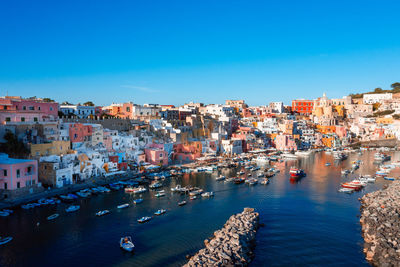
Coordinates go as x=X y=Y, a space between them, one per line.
x=38 y=108
x=35 y=119
x=29 y=170
x=51 y=108
x=161 y=155
x=18 y=173
x=5 y=107
x=18 y=185
x=5 y=186
x=24 y=107
x=31 y=108
x=5 y=173
x=22 y=118
x=8 y=119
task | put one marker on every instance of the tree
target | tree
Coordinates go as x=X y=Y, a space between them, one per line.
x=66 y=103
x=13 y=147
x=378 y=90
x=48 y=100
x=395 y=85
x=89 y=104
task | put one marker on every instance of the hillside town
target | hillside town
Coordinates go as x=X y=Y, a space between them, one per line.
x=47 y=145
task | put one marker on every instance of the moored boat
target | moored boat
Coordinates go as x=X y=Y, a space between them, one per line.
x=102 y=213
x=160 y=212
x=144 y=219
x=208 y=194
x=122 y=206
x=126 y=244
x=182 y=203
x=138 y=201
x=5 y=240
x=52 y=217
x=296 y=172
x=72 y=208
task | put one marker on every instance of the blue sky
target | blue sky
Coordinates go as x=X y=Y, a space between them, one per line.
x=172 y=52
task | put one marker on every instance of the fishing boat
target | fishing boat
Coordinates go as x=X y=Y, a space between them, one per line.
x=182 y=203
x=160 y=212
x=4 y=213
x=265 y=181
x=160 y=194
x=123 y=206
x=126 y=244
x=102 y=213
x=208 y=194
x=238 y=180
x=155 y=185
x=138 y=201
x=389 y=178
x=296 y=172
x=346 y=190
x=52 y=217
x=220 y=178
x=144 y=219
x=72 y=208
x=5 y=240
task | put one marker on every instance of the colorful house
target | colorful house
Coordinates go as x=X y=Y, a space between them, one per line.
x=156 y=155
x=17 y=173
x=303 y=106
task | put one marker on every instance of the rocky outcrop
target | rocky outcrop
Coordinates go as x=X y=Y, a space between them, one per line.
x=380 y=221
x=232 y=245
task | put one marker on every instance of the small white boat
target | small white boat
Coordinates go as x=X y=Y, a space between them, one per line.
x=182 y=203
x=138 y=201
x=122 y=206
x=265 y=181
x=193 y=197
x=102 y=212
x=220 y=178
x=160 y=212
x=52 y=217
x=208 y=194
x=5 y=240
x=72 y=208
x=346 y=190
x=160 y=193
x=126 y=243
x=144 y=219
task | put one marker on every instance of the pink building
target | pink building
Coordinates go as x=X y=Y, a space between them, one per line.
x=156 y=155
x=285 y=142
x=341 y=131
x=188 y=151
x=17 y=109
x=107 y=140
x=17 y=173
x=79 y=132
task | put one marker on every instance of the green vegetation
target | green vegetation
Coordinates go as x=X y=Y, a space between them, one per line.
x=395 y=89
x=48 y=100
x=13 y=147
x=396 y=116
x=89 y=104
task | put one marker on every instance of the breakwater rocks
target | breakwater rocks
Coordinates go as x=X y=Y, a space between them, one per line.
x=380 y=221
x=232 y=245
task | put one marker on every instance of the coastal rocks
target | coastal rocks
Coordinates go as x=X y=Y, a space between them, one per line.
x=232 y=245
x=380 y=221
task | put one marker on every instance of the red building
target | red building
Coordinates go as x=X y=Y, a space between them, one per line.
x=303 y=106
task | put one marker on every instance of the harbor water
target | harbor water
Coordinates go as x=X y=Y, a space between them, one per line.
x=306 y=222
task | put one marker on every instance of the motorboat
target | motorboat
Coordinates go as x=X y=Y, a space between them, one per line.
x=241 y=173
x=196 y=192
x=52 y=217
x=381 y=157
x=220 y=178
x=156 y=185
x=208 y=194
x=261 y=175
x=73 y=196
x=265 y=181
x=296 y=172
x=238 y=180
x=345 y=172
x=230 y=179
x=72 y=208
x=177 y=188
x=102 y=213
x=82 y=194
x=193 y=197
x=123 y=206
x=389 y=178
x=328 y=164
x=5 y=240
x=367 y=178
x=66 y=198
x=160 y=212
x=4 y=213
x=182 y=203
x=144 y=219
x=126 y=244
x=346 y=190
x=253 y=181
x=262 y=159
x=160 y=194
x=138 y=201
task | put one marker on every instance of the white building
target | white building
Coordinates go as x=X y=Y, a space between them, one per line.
x=277 y=107
x=79 y=111
x=232 y=146
x=217 y=111
x=376 y=98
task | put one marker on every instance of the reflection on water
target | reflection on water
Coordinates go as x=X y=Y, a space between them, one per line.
x=306 y=222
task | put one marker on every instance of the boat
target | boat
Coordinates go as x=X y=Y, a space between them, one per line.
x=262 y=159
x=241 y=173
x=82 y=194
x=230 y=179
x=389 y=178
x=177 y=188
x=220 y=178
x=289 y=156
x=138 y=201
x=136 y=190
x=208 y=194
x=196 y=192
x=160 y=212
x=73 y=196
x=265 y=181
x=381 y=173
x=155 y=185
x=52 y=217
x=102 y=213
x=261 y=175
x=72 y=208
x=346 y=190
x=345 y=172
x=160 y=194
x=9 y=211
x=328 y=164
x=367 y=178
x=238 y=180
x=66 y=198
x=144 y=219
x=5 y=240
x=4 y=213
x=123 y=206
x=182 y=203
x=381 y=157
x=126 y=244
x=296 y=172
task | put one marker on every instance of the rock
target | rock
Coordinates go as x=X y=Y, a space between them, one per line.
x=232 y=245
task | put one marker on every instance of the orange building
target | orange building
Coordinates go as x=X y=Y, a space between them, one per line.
x=123 y=111
x=303 y=106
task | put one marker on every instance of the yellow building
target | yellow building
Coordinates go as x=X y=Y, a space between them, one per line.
x=53 y=148
x=388 y=120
